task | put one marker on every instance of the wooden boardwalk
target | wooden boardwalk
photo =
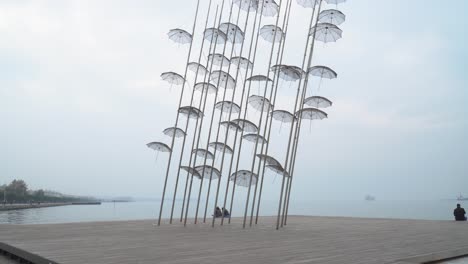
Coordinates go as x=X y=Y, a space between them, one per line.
x=305 y=240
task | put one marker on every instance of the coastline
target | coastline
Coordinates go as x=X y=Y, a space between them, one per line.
x=10 y=207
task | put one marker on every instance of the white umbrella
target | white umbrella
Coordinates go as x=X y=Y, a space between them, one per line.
x=318 y=102
x=224 y=79
x=197 y=68
x=228 y=107
x=233 y=32
x=311 y=114
x=255 y=138
x=205 y=87
x=221 y=147
x=174 y=132
x=242 y=62
x=270 y=7
x=215 y=35
x=219 y=59
x=244 y=178
x=271 y=33
x=269 y=160
x=191 y=171
x=191 y=112
x=326 y=32
x=180 y=36
x=260 y=103
x=246 y=125
x=202 y=153
x=159 y=146
x=208 y=172
x=247 y=5
x=332 y=16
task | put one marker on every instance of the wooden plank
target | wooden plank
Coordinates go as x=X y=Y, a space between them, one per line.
x=324 y=240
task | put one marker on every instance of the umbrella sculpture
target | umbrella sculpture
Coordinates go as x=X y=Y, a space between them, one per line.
x=174 y=132
x=242 y=62
x=180 y=36
x=197 y=68
x=233 y=74
x=271 y=33
x=218 y=59
x=247 y=5
x=308 y=3
x=205 y=87
x=270 y=7
x=283 y=116
x=244 y=178
x=233 y=32
x=332 y=16
x=326 y=32
x=318 y=102
x=203 y=153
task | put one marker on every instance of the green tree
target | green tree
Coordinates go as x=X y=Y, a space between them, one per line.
x=17 y=190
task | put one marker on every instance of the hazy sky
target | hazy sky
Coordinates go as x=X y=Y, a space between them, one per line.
x=80 y=96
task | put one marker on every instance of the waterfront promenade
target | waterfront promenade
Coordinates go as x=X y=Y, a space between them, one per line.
x=322 y=240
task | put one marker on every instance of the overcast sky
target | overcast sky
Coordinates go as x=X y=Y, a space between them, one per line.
x=80 y=96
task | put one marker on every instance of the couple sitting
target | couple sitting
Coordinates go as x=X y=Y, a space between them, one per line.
x=219 y=213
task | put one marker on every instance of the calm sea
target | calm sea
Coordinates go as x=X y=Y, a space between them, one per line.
x=426 y=210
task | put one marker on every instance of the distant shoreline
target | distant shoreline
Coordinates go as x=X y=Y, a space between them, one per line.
x=11 y=207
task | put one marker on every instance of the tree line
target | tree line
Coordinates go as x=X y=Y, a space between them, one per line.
x=18 y=192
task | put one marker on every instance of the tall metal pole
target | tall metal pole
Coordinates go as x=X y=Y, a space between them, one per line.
x=240 y=106
x=292 y=123
x=262 y=111
x=269 y=133
x=269 y=121
x=245 y=110
x=188 y=120
x=212 y=114
x=296 y=136
x=202 y=100
x=219 y=123
x=177 y=117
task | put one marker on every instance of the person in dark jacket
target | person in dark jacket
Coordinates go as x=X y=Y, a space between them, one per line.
x=218 y=212
x=459 y=213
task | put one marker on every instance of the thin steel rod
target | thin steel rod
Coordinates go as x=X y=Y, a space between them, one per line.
x=246 y=106
x=197 y=126
x=212 y=114
x=212 y=165
x=292 y=124
x=177 y=117
x=233 y=46
x=303 y=64
x=262 y=111
x=297 y=134
x=239 y=115
x=229 y=119
x=269 y=121
x=187 y=123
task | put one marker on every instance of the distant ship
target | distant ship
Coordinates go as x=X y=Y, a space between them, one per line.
x=461 y=198
x=369 y=198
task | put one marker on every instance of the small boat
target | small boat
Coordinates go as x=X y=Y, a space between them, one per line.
x=369 y=198
x=461 y=198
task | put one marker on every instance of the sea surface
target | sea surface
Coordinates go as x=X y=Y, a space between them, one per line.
x=424 y=210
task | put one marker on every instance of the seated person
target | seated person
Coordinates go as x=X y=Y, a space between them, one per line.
x=459 y=213
x=226 y=212
x=218 y=212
